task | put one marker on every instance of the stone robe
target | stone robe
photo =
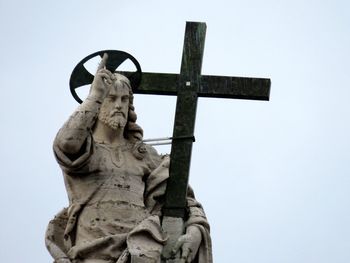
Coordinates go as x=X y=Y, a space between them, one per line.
x=115 y=200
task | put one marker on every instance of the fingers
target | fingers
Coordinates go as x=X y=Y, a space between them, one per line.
x=106 y=75
x=103 y=72
x=186 y=254
x=178 y=244
x=106 y=71
x=103 y=62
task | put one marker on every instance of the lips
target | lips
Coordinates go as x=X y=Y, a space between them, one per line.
x=114 y=113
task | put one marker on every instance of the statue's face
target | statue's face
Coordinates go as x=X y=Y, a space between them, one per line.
x=115 y=107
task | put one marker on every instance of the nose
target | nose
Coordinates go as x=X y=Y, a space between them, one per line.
x=118 y=105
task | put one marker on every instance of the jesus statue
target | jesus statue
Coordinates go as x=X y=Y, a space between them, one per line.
x=116 y=186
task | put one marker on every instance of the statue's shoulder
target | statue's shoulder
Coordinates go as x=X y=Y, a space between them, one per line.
x=146 y=153
x=142 y=150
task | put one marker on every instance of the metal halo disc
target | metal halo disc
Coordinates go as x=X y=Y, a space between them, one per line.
x=81 y=76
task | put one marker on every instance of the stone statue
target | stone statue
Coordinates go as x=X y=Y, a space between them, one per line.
x=115 y=185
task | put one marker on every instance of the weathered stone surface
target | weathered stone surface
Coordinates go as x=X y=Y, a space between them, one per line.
x=115 y=185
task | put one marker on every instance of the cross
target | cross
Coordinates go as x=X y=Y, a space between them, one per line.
x=188 y=86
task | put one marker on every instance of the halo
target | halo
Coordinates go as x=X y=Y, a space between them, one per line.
x=81 y=76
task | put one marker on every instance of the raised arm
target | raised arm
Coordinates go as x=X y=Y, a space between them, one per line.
x=72 y=136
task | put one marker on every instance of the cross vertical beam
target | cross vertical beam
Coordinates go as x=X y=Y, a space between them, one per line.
x=185 y=115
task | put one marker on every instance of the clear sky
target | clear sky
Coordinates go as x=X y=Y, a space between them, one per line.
x=273 y=177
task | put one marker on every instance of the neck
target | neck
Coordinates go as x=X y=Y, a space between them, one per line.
x=104 y=133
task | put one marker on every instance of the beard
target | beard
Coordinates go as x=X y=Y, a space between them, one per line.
x=112 y=120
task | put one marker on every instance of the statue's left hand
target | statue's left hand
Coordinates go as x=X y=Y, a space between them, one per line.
x=189 y=244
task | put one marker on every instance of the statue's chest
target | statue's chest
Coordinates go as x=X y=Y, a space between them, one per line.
x=120 y=175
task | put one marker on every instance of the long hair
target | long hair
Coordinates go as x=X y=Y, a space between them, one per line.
x=132 y=130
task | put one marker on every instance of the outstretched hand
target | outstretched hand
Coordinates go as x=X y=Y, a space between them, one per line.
x=189 y=244
x=103 y=81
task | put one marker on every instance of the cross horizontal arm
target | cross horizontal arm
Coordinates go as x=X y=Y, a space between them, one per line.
x=158 y=83
x=210 y=86
x=235 y=87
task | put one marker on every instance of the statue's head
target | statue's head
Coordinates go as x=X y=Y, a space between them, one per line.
x=117 y=110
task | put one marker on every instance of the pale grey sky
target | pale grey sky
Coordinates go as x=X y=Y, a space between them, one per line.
x=273 y=177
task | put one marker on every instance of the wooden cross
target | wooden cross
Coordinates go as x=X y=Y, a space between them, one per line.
x=188 y=86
